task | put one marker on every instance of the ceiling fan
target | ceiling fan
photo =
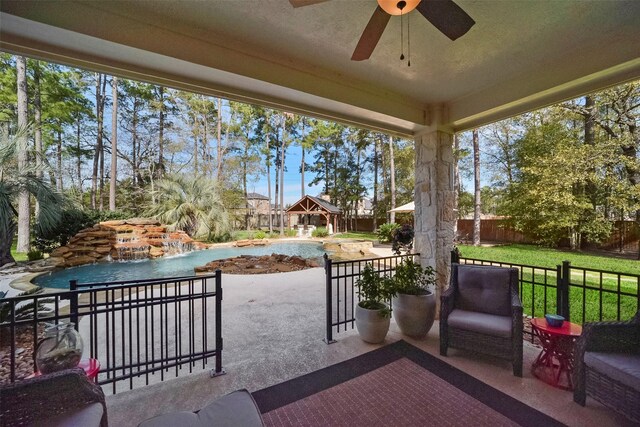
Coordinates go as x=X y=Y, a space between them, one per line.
x=445 y=15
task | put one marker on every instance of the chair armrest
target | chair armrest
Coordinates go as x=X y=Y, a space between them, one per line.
x=610 y=337
x=447 y=300
x=50 y=395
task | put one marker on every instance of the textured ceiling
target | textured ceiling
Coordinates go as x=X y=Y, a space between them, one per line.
x=516 y=50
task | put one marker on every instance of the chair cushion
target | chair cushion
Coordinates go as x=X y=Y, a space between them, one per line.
x=622 y=367
x=234 y=409
x=483 y=323
x=484 y=289
x=87 y=416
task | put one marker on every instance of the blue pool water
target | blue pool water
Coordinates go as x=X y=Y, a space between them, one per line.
x=174 y=266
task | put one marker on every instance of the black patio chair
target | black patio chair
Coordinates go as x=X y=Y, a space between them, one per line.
x=481 y=312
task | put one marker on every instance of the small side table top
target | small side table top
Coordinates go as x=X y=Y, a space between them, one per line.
x=567 y=329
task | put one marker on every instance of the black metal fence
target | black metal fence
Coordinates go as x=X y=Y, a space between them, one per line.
x=341 y=295
x=579 y=294
x=134 y=328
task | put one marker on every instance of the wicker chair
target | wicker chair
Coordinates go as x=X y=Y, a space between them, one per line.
x=66 y=398
x=608 y=366
x=481 y=311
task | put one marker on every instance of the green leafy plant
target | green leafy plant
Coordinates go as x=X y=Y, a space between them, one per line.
x=291 y=233
x=385 y=232
x=260 y=235
x=413 y=279
x=34 y=254
x=24 y=310
x=320 y=232
x=374 y=290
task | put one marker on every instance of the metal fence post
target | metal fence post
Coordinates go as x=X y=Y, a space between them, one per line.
x=329 y=299
x=73 y=300
x=218 y=369
x=566 y=278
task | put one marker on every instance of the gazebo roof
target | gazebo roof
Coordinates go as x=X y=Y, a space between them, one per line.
x=313 y=205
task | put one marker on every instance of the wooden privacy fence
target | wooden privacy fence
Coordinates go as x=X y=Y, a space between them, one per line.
x=624 y=236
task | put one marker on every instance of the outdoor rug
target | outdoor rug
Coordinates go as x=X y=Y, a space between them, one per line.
x=396 y=385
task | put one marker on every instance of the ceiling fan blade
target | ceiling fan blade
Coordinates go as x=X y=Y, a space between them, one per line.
x=371 y=35
x=447 y=17
x=300 y=3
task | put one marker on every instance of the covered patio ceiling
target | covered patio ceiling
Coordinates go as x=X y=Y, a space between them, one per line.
x=520 y=55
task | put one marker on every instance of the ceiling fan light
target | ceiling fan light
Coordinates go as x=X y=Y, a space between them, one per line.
x=391 y=6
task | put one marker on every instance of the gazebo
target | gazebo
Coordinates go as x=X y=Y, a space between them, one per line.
x=310 y=205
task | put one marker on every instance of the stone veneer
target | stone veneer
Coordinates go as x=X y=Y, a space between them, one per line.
x=435 y=210
x=136 y=238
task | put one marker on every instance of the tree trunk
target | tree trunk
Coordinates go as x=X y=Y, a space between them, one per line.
x=37 y=115
x=219 y=135
x=6 y=240
x=160 y=170
x=282 y=155
x=79 y=162
x=392 y=173
x=59 y=162
x=476 y=181
x=114 y=145
x=269 y=185
x=24 y=209
x=375 y=185
x=98 y=147
x=456 y=181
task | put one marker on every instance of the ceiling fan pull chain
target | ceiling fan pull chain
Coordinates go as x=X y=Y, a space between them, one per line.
x=401 y=37
x=409 y=40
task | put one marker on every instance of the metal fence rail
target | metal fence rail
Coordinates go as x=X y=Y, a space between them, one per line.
x=133 y=328
x=341 y=295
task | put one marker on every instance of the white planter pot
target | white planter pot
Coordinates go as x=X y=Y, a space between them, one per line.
x=371 y=325
x=414 y=314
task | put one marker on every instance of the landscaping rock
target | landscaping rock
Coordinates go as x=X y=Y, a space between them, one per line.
x=249 y=264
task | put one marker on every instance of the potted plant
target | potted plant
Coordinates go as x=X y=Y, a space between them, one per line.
x=372 y=314
x=414 y=300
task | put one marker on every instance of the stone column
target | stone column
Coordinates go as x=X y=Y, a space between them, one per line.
x=435 y=211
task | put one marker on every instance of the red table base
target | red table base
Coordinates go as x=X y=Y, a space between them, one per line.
x=554 y=364
x=91 y=368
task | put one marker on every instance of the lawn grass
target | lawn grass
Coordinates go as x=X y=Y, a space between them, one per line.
x=599 y=296
x=18 y=256
x=545 y=257
x=362 y=235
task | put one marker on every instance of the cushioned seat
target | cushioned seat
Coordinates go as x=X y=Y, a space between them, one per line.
x=481 y=311
x=607 y=366
x=624 y=368
x=89 y=415
x=481 y=322
x=237 y=409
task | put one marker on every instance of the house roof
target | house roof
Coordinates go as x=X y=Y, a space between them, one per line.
x=514 y=59
x=313 y=205
x=256 y=196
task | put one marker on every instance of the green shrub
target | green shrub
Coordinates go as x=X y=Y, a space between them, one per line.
x=374 y=290
x=260 y=235
x=34 y=254
x=412 y=279
x=385 y=232
x=291 y=232
x=320 y=232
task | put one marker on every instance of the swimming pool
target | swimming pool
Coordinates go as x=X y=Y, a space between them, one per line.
x=174 y=266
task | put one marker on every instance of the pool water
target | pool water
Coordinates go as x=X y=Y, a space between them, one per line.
x=174 y=266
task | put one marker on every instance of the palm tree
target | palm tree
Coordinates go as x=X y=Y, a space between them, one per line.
x=192 y=204
x=17 y=178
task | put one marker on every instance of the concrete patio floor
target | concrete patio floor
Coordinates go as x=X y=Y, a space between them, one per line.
x=273 y=327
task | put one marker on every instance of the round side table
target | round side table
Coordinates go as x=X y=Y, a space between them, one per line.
x=554 y=364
